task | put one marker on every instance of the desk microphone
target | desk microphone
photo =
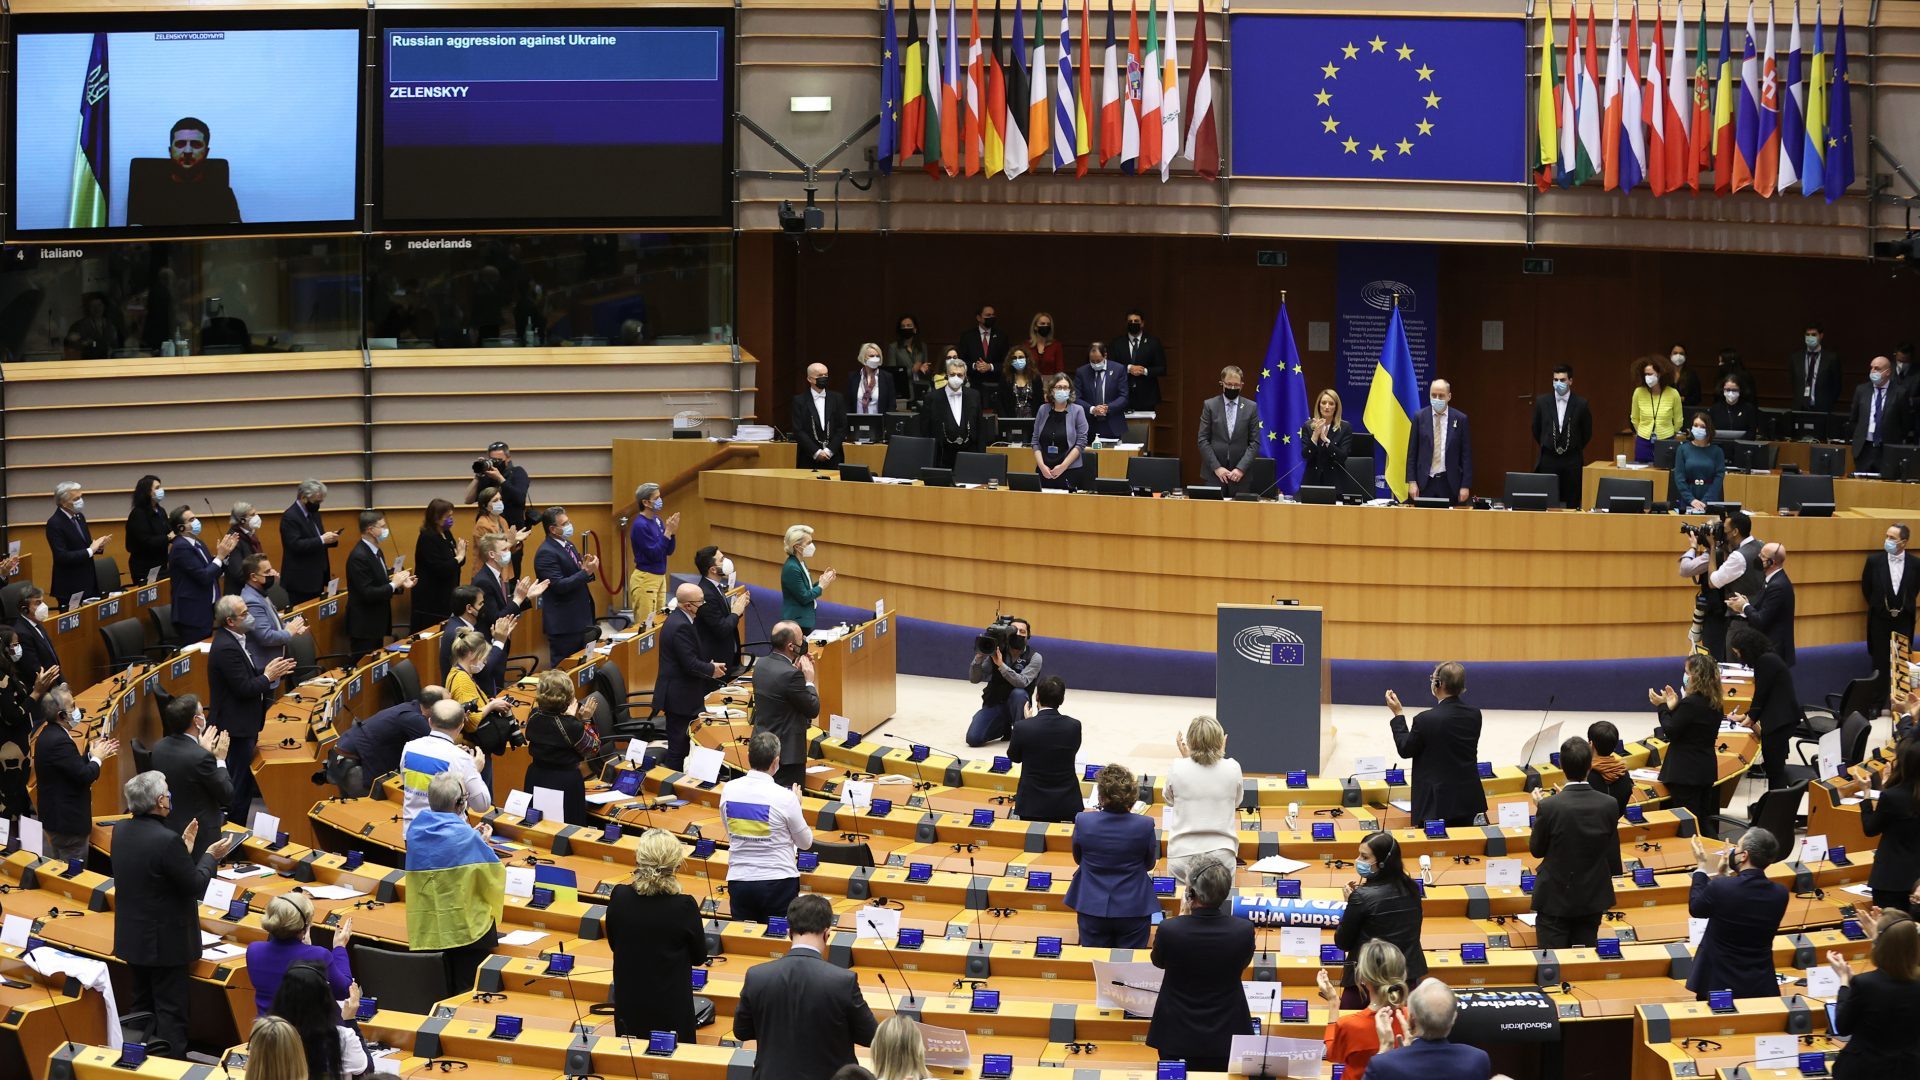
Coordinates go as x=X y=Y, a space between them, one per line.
x=1284 y=477
x=1568 y=988
x=1531 y=743
x=915 y=742
x=912 y=1002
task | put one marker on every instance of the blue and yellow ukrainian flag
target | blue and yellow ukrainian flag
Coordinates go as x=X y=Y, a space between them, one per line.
x=456 y=887
x=417 y=770
x=748 y=819
x=1392 y=401
x=87 y=203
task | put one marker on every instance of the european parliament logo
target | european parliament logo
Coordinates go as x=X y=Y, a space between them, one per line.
x=1274 y=646
x=1379 y=98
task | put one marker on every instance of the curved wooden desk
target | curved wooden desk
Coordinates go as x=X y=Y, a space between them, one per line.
x=1396 y=583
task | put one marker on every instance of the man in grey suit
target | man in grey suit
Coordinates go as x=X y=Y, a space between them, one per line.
x=803 y=1012
x=1579 y=853
x=785 y=700
x=268 y=638
x=1226 y=434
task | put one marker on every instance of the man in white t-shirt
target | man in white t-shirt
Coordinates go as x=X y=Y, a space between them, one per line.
x=765 y=832
x=439 y=751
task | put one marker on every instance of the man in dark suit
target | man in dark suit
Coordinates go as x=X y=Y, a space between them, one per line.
x=194 y=759
x=1145 y=361
x=870 y=387
x=680 y=689
x=1227 y=446
x=1579 y=853
x=1771 y=612
x=568 y=613
x=819 y=418
x=1201 y=1005
x=1429 y=1056
x=239 y=685
x=983 y=348
x=804 y=1013
x=1743 y=911
x=156 y=933
x=371 y=587
x=1448 y=471
x=1880 y=415
x=1444 y=746
x=719 y=617
x=66 y=775
x=500 y=593
x=1044 y=745
x=305 y=561
x=36 y=645
x=1889 y=582
x=197 y=575
x=467 y=605
x=951 y=417
x=786 y=699
x=1816 y=372
x=376 y=743
x=1562 y=428
x=1101 y=387
x=73 y=544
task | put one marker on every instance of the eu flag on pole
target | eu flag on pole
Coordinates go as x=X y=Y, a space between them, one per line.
x=889 y=93
x=1281 y=397
x=87 y=203
x=1392 y=402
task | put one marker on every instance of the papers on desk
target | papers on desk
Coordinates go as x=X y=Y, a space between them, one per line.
x=1822 y=983
x=223 y=951
x=1528 y=918
x=198 y=646
x=33 y=836
x=521 y=937
x=812 y=769
x=890 y=480
x=243 y=871
x=1776 y=1051
x=518 y=803
x=1736 y=671
x=332 y=892
x=1271 y=1055
x=1645 y=776
x=703 y=764
x=611 y=795
x=520 y=882
x=219 y=895
x=1516 y=815
x=838 y=726
x=1278 y=864
x=1696 y=929
x=1405 y=806
x=1813 y=848
x=1503 y=872
x=266 y=826
x=1862 y=889
x=1632 y=465
x=15 y=929
x=1299 y=941
x=876 y=922
x=551 y=803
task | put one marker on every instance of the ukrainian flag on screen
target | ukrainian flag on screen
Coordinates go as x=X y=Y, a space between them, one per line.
x=748 y=819
x=87 y=202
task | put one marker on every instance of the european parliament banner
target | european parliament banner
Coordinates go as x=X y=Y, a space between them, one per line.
x=1342 y=97
x=1368 y=279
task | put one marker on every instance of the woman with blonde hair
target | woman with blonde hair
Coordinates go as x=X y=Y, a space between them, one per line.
x=899 y=1053
x=657 y=941
x=288 y=922
x=799 y=591
x=1043 y=345
x=1325 y=441
x=1203 y=799
x=489 y=722
x=274 y=1051
x=1352 y=1040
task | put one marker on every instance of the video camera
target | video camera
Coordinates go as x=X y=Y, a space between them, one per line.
x=481 y=465
x=999 y=634
x=1713 y=532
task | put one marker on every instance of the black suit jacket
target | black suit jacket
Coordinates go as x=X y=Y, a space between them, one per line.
x=146 y=543
x=1386 y=912
x=883 y=397
x=495 y=600
x=1878 y=1013
x=950 y=437
x=1579 y=851
x=811 y=436
x=438 y=572
x=784 y=704
x=36 y=651
x=369 y=594
x=1825 y=392
x=66 y=781
x=968 y=346
x=719 y=627
x=201 y=791
x=680 y=689
x=72 y=562
x=1691 y=730
x=1771 y=613
x=1776 y=705
x=1201 y=1006
x=1444 y=746
x=805 y=1015
x=1546 y=418
x=1888 y=610
x=1896 y=417
x=1743 y=913
x=236 y=689
x=161 y=928
x=305 y=561
x=1895 y=819
x=1143 y=391
x=1044 y=745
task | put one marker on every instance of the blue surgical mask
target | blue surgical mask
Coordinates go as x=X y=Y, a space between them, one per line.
x=1019 y=363
x=496 y=508
x=1562 y=389
x=1061 y=397
x=194 y=526
x=1874 y=377
x=566 y=531
x=658 y=503
x=1439 y=406
x=1699 y=432
x=1813 y=341
x=381 y=534
x=159 y=493
x=1893 y=547
x=1363 y=868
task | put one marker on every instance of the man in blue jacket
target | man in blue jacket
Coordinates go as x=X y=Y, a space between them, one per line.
x=1428 y=1055
x=568 y=611
x=1440 y=450
x=1743 y=909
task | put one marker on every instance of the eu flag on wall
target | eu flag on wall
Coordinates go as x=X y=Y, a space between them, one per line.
x=87 y=201
x=1378 y=98
x=1281 y=396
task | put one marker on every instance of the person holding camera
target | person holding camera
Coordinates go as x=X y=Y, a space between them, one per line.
x=1724 y=559
x=490 y=724
x=1004 y=662
x=497 y=470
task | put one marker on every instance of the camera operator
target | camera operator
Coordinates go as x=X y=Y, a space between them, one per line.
x=497 y=470
x=1003 y=661
x=1724 y=559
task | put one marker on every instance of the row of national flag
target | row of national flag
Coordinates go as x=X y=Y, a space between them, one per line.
x=1749 y=121
x=1003 y=108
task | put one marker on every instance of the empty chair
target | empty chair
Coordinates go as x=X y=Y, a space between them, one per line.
x=408 y=981
x=1756 y=456
x=106 y=575
x=1155 y=474
x=402 y=682
x=1259 y=477
x=162 y=616
x=1664 y=451
x=976 y=468
x=126 y=642
x=1797 y=491
x=1854 y=732
x=1774 y=811
x=1532 y=490
x=906 y=456
x=855 y=854
x=1084 y=471
x=10 y=601
x=1363 y=480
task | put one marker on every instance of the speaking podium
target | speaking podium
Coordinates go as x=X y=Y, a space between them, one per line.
x=1272 y=686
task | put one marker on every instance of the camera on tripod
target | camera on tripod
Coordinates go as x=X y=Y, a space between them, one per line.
x=1713 y=532
x=999 y=634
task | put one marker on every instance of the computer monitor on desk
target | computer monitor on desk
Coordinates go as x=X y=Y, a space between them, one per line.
x=1016 y=430
x=1623 y=494
x=1358 y=484
x=866 y=428
x=1817 y=426
x=902 y=423
x=1525 y=491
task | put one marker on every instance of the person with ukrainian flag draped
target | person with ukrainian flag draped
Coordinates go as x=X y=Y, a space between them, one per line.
x=456 y=885
x=766 y=831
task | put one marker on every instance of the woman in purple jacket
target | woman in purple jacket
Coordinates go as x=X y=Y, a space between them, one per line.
x=289 y=924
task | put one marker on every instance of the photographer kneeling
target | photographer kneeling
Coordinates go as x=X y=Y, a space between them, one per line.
x=1723 y=558
x=1003 y=661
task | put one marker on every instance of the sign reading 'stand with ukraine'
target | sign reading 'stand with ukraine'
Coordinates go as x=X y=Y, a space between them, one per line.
x=1381 y=99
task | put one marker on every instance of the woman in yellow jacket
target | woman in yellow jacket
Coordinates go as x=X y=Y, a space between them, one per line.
x=470 y=651
x=1656 y=411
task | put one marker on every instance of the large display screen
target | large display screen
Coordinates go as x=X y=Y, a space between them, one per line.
x=589 y=119
x=185 y=125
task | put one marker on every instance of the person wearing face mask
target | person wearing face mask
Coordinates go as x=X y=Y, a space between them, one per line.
x=371 y=587
x=37 y=654
x=951 y=416
x=651 y=538
x=906 y=351
x=1889 y=582
x=490 y=518
x=1226 y=435
x=501 y=593
x=799 y=591
x=1444 y=745
x=306 y=562
x=1906 y=376
x=66 y=771
x=786 y=699
x=568 y=612
x=1010 y=672
x=1562 y=428
x=1145 y=360
x=1440 y=449
x=1816 y=371
x=1690 y=723
x=20 y=701
x=1101 y=387
x=1324 y=443
x=1043 y=345
x=511 y=480
x=73 y=544
x=468 y=606
x=197 y=574
x=1880 y=415
x=1685 y=379
x=1775 y=711
x=1771 y=610
x=1059 y=433
x=560 y=742
x=685 y=678
x=1722 y=566
x=819 y=419
x=147 y=535
x=1655 y=411
x=437 y=558
x=869 y=386
x=1019 y=385
x=1383 y=904
x=1699 y=468
x=489 y=723
x=718 y=617
x=1736 y=411
x=982 y=347
x=1743 y=909
x=193 y=757
x=269 y=635
x=239 y=685
x=244 y=526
